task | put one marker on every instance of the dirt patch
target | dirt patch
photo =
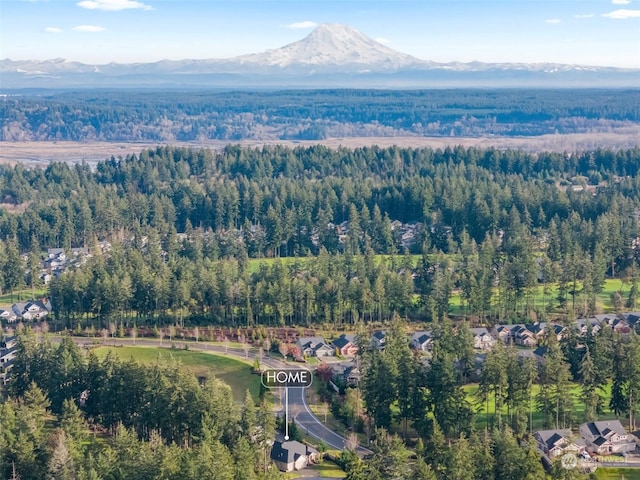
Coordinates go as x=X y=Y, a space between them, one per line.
x=42 y=153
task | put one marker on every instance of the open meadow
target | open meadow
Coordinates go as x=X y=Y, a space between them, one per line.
x=235 y=373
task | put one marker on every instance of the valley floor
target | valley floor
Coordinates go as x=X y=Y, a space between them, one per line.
x=42 y=153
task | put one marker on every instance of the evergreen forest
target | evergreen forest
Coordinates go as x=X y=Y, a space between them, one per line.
x=161 y=116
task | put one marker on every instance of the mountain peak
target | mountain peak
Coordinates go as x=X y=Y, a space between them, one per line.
x=335 y=30
x=334 y=45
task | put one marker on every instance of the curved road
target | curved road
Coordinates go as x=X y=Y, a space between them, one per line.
x=298 y=407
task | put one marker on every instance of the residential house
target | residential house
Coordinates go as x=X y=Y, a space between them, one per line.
x=35 y=310
x=482 y=339
x=539 y=329
x=407 y=239
x=56 y=259
x=502 y=333
x=632 y=318
x=554 y=443
x=104 y=246
x=607 y=437
x=314 y=347
x=352 y=376
x=522 y=336
x=8 y=342
x=583 y=325
x=620 y=325
x=80 y=252
x=422 y=340
x=7 y=355
x=395 y=225
x=379 y=340
x=8 y=315
x=557 y=330
x=56 y=253
x=605 y=318
x=45 y=277
x=478 y=364
x=345 y=345
x=540 y=352
x=291 y=455
x=517 y=334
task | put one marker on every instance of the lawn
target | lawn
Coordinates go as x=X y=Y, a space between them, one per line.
x=327 y=469
x=237 y=374
x=549 y=300
x=7 y=299
x=607 y=473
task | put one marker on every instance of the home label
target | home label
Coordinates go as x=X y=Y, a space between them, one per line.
x=287 y=377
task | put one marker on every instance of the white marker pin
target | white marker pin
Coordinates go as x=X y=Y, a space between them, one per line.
x=286 y=413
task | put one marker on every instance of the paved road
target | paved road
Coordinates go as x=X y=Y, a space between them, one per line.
x=298 y=407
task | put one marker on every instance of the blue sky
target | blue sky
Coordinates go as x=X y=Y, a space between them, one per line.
x=590 y=32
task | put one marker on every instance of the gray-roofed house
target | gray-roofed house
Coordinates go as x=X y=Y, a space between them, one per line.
x=522 y=336
x=314 y=347
x=352 y=375
x=607 y=437
x=291 y=455
x=482 y=339
x=537 y=328
x=379 y=340
x=8 y=315
x=583 y=325
x=35 y=310
x=632 y=318
x=7 y=355
x=422 y=340
x=554 y=443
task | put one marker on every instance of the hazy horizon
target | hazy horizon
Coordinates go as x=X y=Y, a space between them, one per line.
x=595 y=33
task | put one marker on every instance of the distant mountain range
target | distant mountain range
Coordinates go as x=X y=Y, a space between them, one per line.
x=330 y=56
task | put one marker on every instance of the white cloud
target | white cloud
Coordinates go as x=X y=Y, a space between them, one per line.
x=383 y=40
x=552 y=21
x=302 y=25
x=88 y=28
x=621 y=2
x=622 y=14
x=586 y=15
x=53 y=30
x=113 y=5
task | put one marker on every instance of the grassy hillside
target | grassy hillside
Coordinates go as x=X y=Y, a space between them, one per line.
x=235 y=373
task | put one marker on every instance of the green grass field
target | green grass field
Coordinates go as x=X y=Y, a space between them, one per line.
x=607 y=473
x=549 y=301
x=235 y=373
x=327 y=469
x=6 y=300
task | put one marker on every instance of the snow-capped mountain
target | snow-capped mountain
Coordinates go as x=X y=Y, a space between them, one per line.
x=334 y=46
x=330 y=56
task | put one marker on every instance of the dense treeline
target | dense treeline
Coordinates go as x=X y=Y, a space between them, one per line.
x=494 y=455
x=186 y=116
x=492 y=225
x=154 y=422
x=398 y=391
x=512 y=388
